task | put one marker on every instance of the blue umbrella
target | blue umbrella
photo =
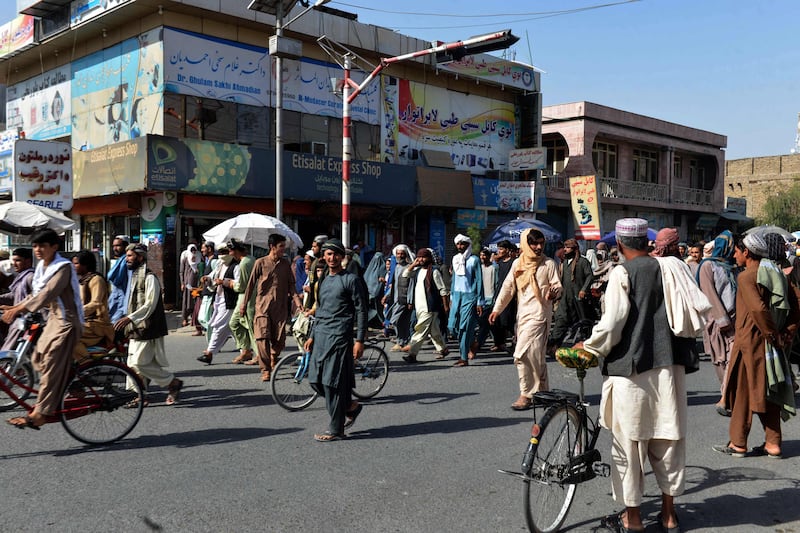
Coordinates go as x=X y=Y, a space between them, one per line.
x=610 y=238
x=513 y=229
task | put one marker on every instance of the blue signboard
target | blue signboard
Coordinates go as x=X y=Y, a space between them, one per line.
x=485 y=192
x=437 y=235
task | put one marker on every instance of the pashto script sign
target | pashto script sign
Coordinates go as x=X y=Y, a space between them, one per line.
x=585 y=207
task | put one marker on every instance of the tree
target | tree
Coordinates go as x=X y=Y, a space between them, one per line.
x=783 y=209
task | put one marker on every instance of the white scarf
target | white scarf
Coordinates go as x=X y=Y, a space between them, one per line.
x=460 y=262
x=42 y=275
x=686 y=306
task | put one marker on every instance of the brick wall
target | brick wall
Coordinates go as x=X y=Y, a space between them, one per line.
x=758 y=178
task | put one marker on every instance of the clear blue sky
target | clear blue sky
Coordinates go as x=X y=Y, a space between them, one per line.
x=727 y=66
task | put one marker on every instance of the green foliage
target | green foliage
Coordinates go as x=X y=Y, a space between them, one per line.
x=475 y=234
x=782 y=209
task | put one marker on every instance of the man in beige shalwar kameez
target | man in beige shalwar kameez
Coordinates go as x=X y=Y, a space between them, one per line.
x=643 y=401
x=56 y=286
x=271 y=284
x=535 y=281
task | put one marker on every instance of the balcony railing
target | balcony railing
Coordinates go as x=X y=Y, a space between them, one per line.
x=636 y=190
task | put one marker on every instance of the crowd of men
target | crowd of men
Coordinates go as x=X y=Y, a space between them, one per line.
x=639 y=306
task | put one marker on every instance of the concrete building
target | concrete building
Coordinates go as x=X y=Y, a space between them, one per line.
x=169 y=107
x=669 y=174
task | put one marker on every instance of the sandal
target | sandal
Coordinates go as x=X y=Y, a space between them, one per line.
x=614 y=523
x=665 y=529
x=205 y=358
x=327 y=437
x=760 y=451
x=350 y=418
x=134 y=404
x=22 y=422
x=174 y=390
x=729 y=450
x=497 y=349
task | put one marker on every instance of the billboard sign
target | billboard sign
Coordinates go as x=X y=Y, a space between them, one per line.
x=43 y=173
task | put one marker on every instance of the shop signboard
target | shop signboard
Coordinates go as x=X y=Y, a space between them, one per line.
x=521 y=159
x=477 y=132
x=43 y=173
x=17 y=34
x=471 y=218
x=485 y=192
x=516 y=196
x=437 y=235
x=496 y=70
x=585 y=207
x=209 y=67
x=83 y=10
x=113 y=169
x=7 y=139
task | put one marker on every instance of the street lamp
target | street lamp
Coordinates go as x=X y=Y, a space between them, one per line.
x=445 y=52
x=279 y=8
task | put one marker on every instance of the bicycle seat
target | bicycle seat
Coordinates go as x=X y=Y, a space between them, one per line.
x=576 y=358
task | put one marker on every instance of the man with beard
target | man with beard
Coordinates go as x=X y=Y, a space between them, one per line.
x=241 y=324
x=466 y=298
x=504 y=322
x=399 y=312
x=20 y=288
x=97 y=327
x=427 y=294
x=533 y=280
x=146 y=325
x=336 y=339
x=576 y=281
x=118 y=277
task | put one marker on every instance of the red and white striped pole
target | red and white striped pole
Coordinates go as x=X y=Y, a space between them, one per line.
x=347 y=148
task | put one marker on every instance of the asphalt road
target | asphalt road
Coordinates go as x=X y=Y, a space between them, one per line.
x=423 y=457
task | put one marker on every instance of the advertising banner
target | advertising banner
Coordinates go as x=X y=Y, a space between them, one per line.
x=516 y=195
x=485 y=192
x=215 y=68
x=307 y=89
x=527 y=159
x=41 y=106
x=111 y=169
x=43 y=173
x=495 y=69
x=437 y=235
x=192 y=165
x=477 y=132
x=7 y=139
x=17 y=34
x=83 y=10
x=117 y=93
x=585 y=207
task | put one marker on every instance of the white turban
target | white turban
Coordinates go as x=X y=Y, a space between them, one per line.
x=462 y=238
x=756 y=244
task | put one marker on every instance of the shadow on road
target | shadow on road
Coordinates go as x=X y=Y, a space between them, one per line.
x=437 y=426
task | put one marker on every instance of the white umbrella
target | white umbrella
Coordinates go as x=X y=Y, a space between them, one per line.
x=769 y=228
x=251 y=228
x=22 y=218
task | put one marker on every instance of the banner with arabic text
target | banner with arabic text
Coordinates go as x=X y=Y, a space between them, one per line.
x=495 y=69
x=585 y=207
x=477 y=132
x=43 y=173
x=41 y=106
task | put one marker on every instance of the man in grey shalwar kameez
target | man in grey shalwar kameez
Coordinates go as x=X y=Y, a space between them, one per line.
x=341 y=306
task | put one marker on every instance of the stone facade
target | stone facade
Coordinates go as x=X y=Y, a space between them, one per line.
x=757 y=178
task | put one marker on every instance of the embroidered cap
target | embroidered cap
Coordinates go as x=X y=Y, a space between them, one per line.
x=756 y=244
x=631 y=227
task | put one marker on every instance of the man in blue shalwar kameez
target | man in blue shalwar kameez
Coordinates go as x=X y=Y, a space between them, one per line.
x=341 y=307
x=466 y=296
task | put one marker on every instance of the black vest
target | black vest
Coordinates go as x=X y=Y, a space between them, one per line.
x=156 y=325
x=230 y=294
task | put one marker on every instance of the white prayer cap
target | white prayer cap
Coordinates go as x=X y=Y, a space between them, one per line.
x=462 y=238
x=756 y=244
x=310 y=253
x=631 y=227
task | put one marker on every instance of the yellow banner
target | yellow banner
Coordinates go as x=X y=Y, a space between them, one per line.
x=585 y=207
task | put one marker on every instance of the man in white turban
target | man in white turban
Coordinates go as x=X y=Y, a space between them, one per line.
x=466 y=298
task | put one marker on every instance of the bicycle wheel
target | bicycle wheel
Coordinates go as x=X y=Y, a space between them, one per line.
x=289 y=383
x=546 y=498
x=102 y=402
x=24 y=374
x=372 y=371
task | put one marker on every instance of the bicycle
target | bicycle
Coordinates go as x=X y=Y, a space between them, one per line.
x=561 y=452
x=292 y=391
x=101 y=403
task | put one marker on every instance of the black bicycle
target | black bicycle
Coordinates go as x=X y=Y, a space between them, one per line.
x=561 y=452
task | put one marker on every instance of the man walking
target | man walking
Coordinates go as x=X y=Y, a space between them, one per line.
x=146 y=325
x=576 y=281
x=341 y=308
x=644 y=384
x=271 y=285
x=241 y=321
x=534 y=282
x=427 y=294
x=504 y=323
x=118 y=277
x=466 y=298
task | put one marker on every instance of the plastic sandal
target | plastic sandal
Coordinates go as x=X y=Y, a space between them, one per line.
x=327 y=437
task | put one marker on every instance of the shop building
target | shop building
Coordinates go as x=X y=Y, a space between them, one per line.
x=170 y=110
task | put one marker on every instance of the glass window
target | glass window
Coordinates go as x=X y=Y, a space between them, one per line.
x=557 y=155
x=677 y=167
x=252 y=126
x=645 y=166
x=604 y=157
x=314 y=134
x=291 y=131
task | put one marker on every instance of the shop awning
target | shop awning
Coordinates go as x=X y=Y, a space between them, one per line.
x=444 y=188
x=736 y=217
x=707 y=222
